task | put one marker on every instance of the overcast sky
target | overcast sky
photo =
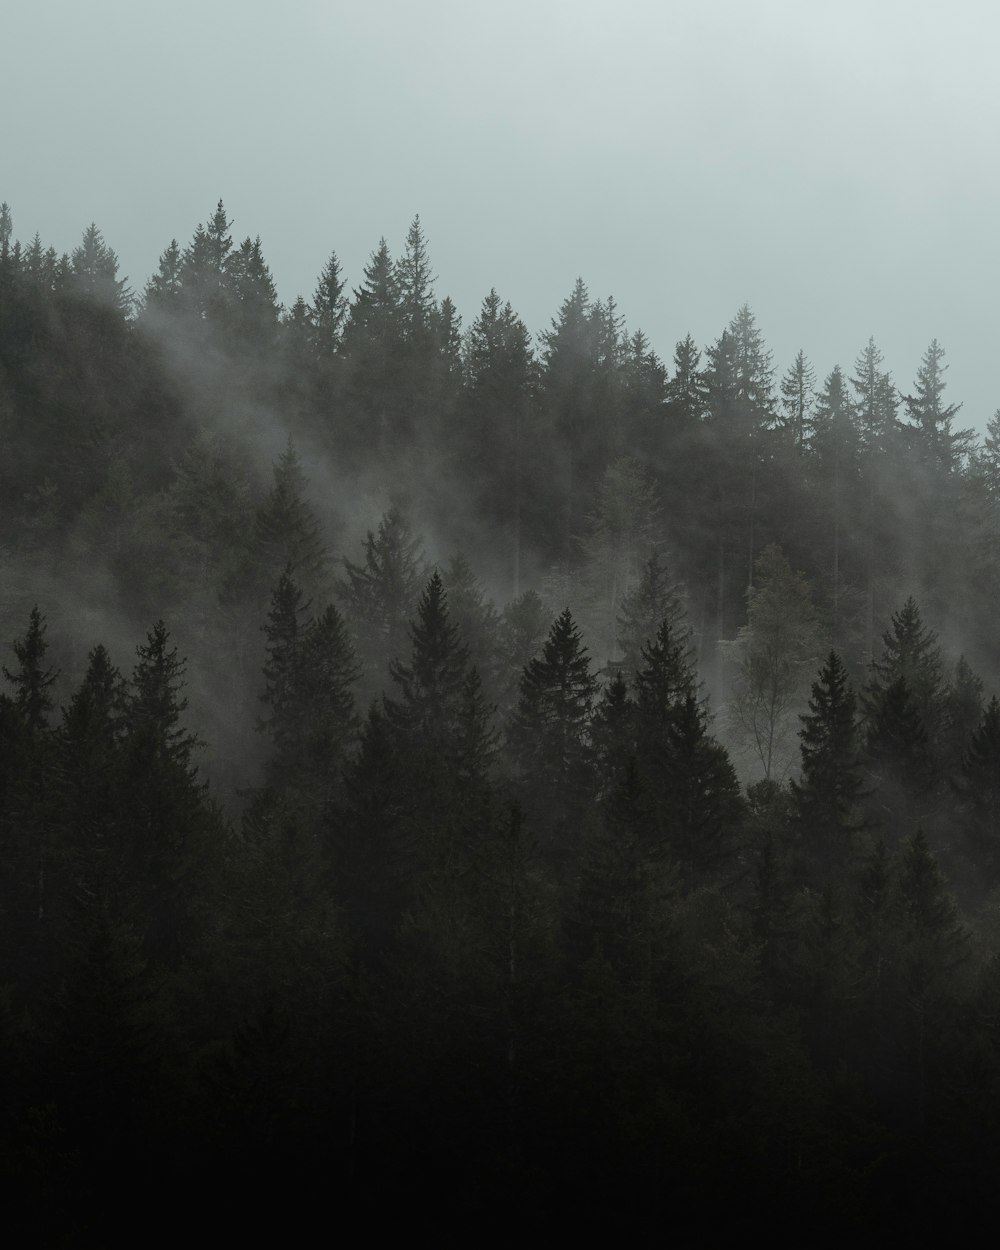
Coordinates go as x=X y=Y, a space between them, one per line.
x=833 y=165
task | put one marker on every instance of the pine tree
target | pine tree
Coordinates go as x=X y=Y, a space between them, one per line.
x=309 y=675
x=797 y=400
x=899 y=759
x=252 y=311
x=474 y=616
x=978 y=787
x=621 y=536
x=329 y=308
x=415 y=285
x=690 y=792
x=287 y=532
x=773 y=655
x=31 y=680
x=548 y=732
x=284 y=677
x=204 y=266
x=493 y=440
x=431 y=685
x=372 y=348
x=686 y=391
x=164 y=290
x=910 y=652
x=827 y=795
x=170 y=831
x=653 y=599
x=95 y=272
x=940 y=448
x=524 y=625
x=834 y=454
x=381 y=594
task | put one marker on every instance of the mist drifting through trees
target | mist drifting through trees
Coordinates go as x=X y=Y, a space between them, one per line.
x=487 y=773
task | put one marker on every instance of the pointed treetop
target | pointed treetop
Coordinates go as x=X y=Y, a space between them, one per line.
x=31 y=680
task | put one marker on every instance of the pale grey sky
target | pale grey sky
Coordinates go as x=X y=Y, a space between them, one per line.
x=831 y=164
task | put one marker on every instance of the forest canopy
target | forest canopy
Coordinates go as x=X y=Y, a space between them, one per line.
x=429 y=749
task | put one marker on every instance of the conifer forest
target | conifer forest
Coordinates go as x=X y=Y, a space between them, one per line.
x=519 y=782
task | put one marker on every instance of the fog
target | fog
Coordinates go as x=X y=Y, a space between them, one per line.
x=826 y=165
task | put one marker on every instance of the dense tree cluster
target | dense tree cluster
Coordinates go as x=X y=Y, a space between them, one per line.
x=667 y=886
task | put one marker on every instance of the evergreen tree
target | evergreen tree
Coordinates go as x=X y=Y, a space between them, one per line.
x=164 y=290
x=95 y=272
x=494 y=441
x=548 y=732
x=899 y=759
x=286 y=531
x=312 y=721
x=834 y=455
x=524 y=626
x=827 y=795
x=689 y=789
x=911 y=653
x=940 y=448
x=252 y=311
x=204 y=266
x=653 y=599
x=329 y=307
x=772 y=655
x=797 y=400
x=978 y=787
x=431 y=685
x=380 y=595
x=474 y=616
x=169 y=830
x=414 y=284
x=372 y=347
x=622 y=534
x=31 y=680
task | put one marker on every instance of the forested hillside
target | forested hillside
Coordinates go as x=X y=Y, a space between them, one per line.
x=483 y=772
